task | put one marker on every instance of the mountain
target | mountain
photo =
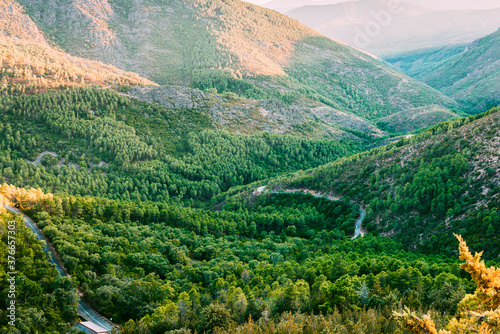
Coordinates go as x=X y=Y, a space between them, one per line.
x=423 y=188
x=230 y=46
x=416 y=119
x=469 y=74
x=383 y=27
x=283 y=6
x=457 y=4
x=239 y=196
x=418 y=63
x=64 y=141
x=127 y=198
x=30 y=64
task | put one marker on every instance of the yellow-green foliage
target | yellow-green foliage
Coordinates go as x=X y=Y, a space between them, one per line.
x=32 y=67
x=477 y=313
x=24 y=198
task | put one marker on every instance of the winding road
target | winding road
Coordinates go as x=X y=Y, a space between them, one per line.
x=39 y=157
x=83 y=308
x=362 y=214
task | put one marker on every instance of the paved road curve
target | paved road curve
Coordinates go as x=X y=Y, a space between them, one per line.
x=83 y=309
x=362 y=213
x=32 y=226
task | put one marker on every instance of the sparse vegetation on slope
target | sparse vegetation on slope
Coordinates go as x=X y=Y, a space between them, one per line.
x=232 y=46
x=419 y=118
x=29 y=68
x=301 y=118
x=29 y=64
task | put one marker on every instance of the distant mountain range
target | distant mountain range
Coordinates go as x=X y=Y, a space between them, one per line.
x=284 y=6
x=468 y=73
x=385 y=27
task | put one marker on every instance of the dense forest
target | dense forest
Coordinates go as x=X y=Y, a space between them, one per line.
x=46 y=301
x=155 y=267
x=106 y=146
x=157 y=221
x=281 y=182
x=441 y=181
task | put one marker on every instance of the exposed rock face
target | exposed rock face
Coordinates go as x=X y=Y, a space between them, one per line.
x=15 y=24
x=241 y=115
x=174 y=97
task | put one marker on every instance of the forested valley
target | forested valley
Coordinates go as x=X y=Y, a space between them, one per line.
x=250 y=176
x=155 y=267
x=159 y=224
x=153 y=153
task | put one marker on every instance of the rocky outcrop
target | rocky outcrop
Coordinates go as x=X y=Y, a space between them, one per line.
x=17 y=25
x=240 y=115
x=174 y=97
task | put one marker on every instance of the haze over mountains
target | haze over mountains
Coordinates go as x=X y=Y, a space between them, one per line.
x=469 y=74
x=284 y=6
x=385 y=27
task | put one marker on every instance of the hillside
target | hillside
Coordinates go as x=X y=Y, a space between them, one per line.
x=396 y=26
x=128 y=184
x=470 y=76
x=126 y=210
x=299 y=117
x=416 y=119
x=29 y=64
x=421 y=189
x=101 y=143
x=418 y=63
x=230 y=46
x=127 y=213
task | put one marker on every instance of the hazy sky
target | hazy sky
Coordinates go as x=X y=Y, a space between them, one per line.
x=436 y=4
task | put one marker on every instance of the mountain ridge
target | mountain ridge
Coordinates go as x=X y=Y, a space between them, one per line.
x=230 y=46
x=467 y=74
x=422 y=187
x=31 y=64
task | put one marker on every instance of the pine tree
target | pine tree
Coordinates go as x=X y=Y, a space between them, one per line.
x=479 y=312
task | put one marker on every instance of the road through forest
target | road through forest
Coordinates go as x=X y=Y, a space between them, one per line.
x=83 y=308
x=362 y=214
